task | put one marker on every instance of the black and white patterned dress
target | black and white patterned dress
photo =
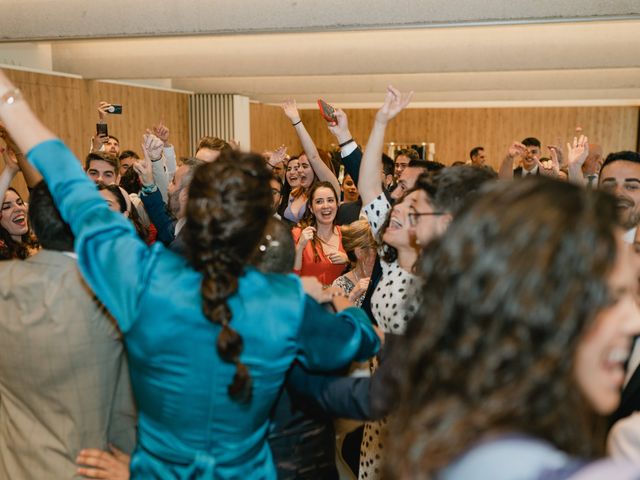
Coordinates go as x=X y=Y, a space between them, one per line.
x=393 y=303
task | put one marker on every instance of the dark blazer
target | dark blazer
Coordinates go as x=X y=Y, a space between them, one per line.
x=165 y=224
x=357 y=398
x=517 y=173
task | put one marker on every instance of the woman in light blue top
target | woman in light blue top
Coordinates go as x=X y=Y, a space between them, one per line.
x=209 y=340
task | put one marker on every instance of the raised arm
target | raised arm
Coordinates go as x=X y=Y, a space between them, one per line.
x=153 y=148
x=369 y=184
x=349 y=150
x=506 y=167
x=322 y=171
x=10 y=171
x=101 y=235
x=577 y=153
x=162 y=132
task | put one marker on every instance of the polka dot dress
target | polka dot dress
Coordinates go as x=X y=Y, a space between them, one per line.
x=393 y=303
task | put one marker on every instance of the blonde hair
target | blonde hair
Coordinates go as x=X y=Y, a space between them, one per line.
x=356 y=235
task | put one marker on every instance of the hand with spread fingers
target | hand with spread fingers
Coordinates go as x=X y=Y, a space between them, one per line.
x=578 y=151
x=277 y=156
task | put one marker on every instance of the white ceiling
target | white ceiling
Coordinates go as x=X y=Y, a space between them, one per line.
x=527 y=64
x=454 y=53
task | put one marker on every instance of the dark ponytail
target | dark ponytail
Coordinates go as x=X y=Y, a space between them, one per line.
x=228 y=209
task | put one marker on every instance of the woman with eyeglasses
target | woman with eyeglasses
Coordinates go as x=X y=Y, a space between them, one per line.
x=420 y=216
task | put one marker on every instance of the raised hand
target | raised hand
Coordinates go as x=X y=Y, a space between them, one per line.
x=306 y=235
x=143 y=168
x=394 y=103
x=340 y=129
x=98 y=141
x=577 y=151
x=291 y=110
x=97 y=463
x=517 y=150
x=556 y=154
x=277 y=156
x=102 y=110
x=153 y=145
x=162 y=132
x=549 y=168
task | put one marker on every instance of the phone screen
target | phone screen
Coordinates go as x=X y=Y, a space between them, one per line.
x=101 y=129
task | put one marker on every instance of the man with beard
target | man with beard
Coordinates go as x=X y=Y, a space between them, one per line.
x=620 y=176
x=169 y=224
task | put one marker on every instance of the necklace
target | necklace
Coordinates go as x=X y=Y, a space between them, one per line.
x=355 y=274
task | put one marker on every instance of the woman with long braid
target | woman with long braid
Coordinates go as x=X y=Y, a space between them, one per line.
x=209 y=339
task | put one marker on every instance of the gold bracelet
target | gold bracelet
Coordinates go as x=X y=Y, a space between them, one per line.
x=11 y=97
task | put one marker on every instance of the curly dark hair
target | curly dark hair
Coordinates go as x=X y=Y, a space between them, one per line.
x=309 y=219
x=508 y=291
x=9 y=248
x=228 y=209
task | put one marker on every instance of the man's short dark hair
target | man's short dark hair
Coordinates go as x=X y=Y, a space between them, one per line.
x=128 y=154
x=130 y=181
x=45 y=220
x=625 y=155
x=426 y=165
x=387 y=164
x=114 y=138
x=452 y=187
x=104 y=157
x=531 y=142
x=410 y=153
x=213 y=143
x=475 y=151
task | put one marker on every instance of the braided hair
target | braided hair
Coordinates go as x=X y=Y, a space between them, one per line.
x=228 y=209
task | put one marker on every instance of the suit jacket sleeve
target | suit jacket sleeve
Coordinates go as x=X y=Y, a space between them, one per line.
x=352 y=164
x=344 y=397
x=156 y=209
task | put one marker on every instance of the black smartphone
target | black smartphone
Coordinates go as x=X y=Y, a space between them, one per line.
x=101 y=129
x=115 y=109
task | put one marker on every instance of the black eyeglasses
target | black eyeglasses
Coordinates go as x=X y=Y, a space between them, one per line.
x=414 y=217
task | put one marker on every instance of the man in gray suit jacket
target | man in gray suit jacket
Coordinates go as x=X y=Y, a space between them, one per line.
x=64 y=382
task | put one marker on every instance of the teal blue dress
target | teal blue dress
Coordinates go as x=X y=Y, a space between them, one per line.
x=188 y=425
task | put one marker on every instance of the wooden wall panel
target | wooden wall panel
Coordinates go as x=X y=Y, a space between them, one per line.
x=68 y=106
x=141 y=109
x=270 y=128
x=456 y=131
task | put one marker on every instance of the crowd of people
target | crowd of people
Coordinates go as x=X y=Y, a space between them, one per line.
x=215 y=316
